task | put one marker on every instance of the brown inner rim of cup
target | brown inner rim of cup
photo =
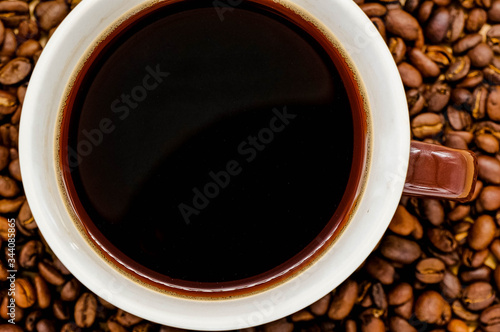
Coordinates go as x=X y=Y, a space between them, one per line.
x=279 y=274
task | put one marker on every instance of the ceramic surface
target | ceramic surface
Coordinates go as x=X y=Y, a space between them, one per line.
x=389 y=148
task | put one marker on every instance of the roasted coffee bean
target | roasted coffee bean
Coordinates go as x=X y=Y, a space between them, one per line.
x=50 y=273
x=12 y=13
x=8 y=103
x=459 y=212
x=458 y=69
x=378 y=296
x=4 y=157
x=11 y=205
x=496 y=277
x=379 y=24
x=28 y=48
x=50 y=13
x=431 y=308
x=479 y=102
x=426 y=125
x=432 y=210
x=423 y=63
x=398 y=324
x=399 y=249
x=4 y=228
x=9 y=47
x=403 y=223
x=28 y=29
x=457 y=325
x=25 y=214
x=10 y=328
x=462 y=313
x=474 y=259
x=371 y=323
x=472 y=79
x=467 y=42
x=425 y=11
x=482 y=273
x=366 y=301
x=15 y=170
x=438 y=25
x=430 y=271
x=493 y=104
x=380 y=270
x=492 y=74
x=494 y=12
x=60 y=310
x=85 y=310
x=476 y=20
x=442 y=239
x=481 y=55
x=477 y=190
x=397 y=47
x=278 y=326
x=489 y=198
x=411 y=5
x=8 y=187
x=484 y=3
x=461 y=97
x=478 y=296
x=482 y=232
x=400 y=294
x=437 y=96
x=489 y=169
x=45 y=325
x=343 y=300
x=405 y=310
x=495 y=248
x=25 y=295
x=320 y=307
x=457 y=24
x=30 y=253
x=418 y=232
x=451 y=286
x=301 y=316
x=488 y=143
x=42 y=292
x=15 y=71
x=71 y=290
x=126 y=319
x=442 y=55
x=70 y=327
x=373 y=9
x=416 y=101
x=461 y=231
x=31 y=319
x=490 y=319
x=410 y=75
x=402 y=24
x=493 y=38
x=4 y=310
x=114 y=326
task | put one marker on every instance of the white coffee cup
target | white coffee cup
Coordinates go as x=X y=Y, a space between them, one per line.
x=385 y=173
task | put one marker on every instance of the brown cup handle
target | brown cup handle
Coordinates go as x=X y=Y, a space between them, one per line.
x=437 y=171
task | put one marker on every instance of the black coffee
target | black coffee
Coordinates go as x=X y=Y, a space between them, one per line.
x=211 y=146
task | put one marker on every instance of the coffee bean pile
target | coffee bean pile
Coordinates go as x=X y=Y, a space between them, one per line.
x=437 y=267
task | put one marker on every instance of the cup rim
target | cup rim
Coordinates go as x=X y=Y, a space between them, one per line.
x=385 y=179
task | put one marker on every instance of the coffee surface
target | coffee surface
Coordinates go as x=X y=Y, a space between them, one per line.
x=209 y=149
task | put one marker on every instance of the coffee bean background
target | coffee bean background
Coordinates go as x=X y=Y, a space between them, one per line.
x=437 y=267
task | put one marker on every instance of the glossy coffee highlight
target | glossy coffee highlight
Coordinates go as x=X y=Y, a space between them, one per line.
x=208 y=152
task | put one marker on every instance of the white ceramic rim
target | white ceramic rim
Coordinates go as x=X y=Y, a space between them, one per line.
x=386 y=175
